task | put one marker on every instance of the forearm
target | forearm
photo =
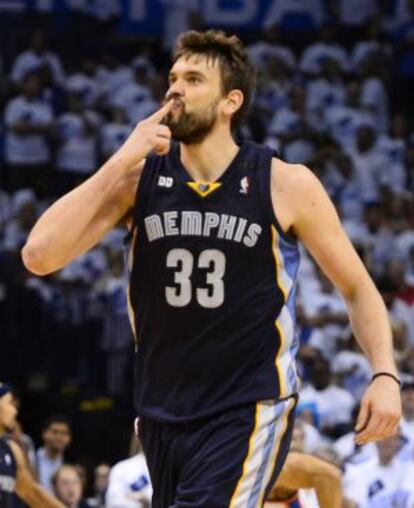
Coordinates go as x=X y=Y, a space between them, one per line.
x=40 y=498
x=369 y=320
x=75 y=222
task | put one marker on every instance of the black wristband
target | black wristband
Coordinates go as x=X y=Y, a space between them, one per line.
x=388 y=374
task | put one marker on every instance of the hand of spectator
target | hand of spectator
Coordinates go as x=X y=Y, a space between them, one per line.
x=380 y=411
x=148 y=135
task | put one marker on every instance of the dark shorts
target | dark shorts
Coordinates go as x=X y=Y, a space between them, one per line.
x=229 y=461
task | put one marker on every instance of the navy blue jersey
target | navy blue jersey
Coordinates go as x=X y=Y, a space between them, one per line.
x=212 y=289
x=8 y=472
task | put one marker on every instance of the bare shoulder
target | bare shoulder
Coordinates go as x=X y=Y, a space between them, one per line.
x=294 y=179
x=294 y=188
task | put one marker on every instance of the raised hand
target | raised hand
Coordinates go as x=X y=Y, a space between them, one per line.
x=148 y=135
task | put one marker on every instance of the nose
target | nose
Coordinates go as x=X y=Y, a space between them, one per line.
x=175 y=91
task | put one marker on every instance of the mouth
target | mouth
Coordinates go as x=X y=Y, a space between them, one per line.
x=177 y=105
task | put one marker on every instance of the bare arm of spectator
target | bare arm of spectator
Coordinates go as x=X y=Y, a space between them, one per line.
x=306 y=472
x=78 y=220
x=26 y=487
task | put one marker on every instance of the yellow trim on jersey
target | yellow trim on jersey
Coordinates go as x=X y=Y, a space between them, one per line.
x=279 y=283
x=131 y=312
x=203 y=189
x=276 y=255
x=245 y=471
x=281 y=435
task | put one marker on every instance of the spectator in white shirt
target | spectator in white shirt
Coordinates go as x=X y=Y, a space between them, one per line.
x=86 y=82
x=382 y=482
x=370 y=164
x=29 y=125
x=24 y=215
x=407 y=399
x=133 y=95
x=343 y=120
x=100 y=485
x=374 y=96
x=77 y=153
x=288 y=132
x=129 y=484
x=113 y=75
x=56 y=435
x=329 y=406
x=314 y=55
x=393 y=147
x=36 y=58
x=269 y=46
x=372 y=44
x=325 y=92
x=325 y=311
x=114 y=133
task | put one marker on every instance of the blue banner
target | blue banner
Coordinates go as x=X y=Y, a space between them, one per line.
x=145 y=16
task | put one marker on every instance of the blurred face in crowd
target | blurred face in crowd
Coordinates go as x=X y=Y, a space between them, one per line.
x=57 y=437
x=101 y=477
x=387 y=448
x=75 y=103
x=39 y=41
x=31 y=86
x=353 y=94
x=321 y=374
x=68 y=486
x=27 y=215
x=8 y=412
x=195 y=85
x=407 y=398
x=365 y=138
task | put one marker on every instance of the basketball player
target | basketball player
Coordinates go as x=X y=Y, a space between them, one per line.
x=214 y=256
x=15 y=475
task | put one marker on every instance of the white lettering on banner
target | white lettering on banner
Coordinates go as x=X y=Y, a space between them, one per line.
x=138 y=10
x=244 y=14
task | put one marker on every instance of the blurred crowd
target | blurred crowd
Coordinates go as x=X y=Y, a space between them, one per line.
x=334 y=92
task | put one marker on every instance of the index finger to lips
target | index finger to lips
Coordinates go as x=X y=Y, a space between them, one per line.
x=158 y=116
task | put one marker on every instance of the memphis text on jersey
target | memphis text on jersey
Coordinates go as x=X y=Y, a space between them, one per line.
x=208 y=224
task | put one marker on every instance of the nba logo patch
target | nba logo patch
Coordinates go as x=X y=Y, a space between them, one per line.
x=245 y=185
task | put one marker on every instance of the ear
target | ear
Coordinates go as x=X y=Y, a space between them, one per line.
x=233 y=102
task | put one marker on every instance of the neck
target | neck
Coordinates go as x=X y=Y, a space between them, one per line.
x=207 y=160
x=52 y=454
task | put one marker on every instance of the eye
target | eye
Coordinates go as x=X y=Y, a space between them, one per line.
x=194 y=79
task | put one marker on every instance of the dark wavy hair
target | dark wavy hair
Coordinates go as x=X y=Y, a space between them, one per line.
x=237 y=71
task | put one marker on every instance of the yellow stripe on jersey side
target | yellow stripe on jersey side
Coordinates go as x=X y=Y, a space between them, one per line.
x=280 y=436
x=131 y=313
x=247 y=460
x=203 y=189
x=283 y=289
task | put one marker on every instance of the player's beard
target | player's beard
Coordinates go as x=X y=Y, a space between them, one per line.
x=192 y=128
